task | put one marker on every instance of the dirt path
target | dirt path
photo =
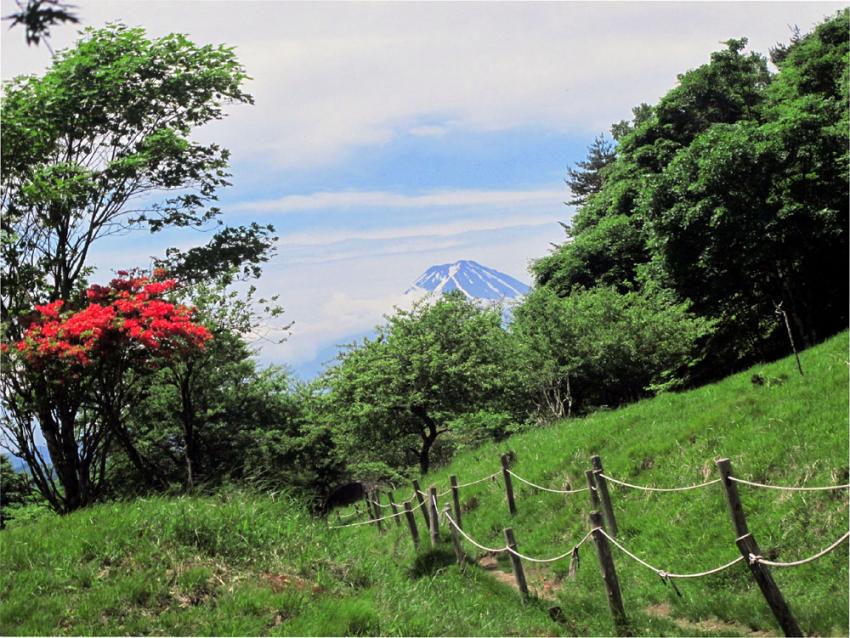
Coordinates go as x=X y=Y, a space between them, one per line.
x=543 y=585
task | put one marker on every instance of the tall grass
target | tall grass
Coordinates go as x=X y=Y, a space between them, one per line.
x=241 y=563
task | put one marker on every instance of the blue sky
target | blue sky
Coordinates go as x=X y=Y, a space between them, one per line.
x=387 y=137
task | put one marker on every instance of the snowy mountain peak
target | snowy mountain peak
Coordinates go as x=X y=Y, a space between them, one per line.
x=472 y=279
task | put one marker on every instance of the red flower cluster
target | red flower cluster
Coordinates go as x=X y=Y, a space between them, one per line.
x=128 y=315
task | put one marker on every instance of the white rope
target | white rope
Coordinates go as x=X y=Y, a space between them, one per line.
x=789 y=488
x=550 y=560
x=375 y=520
x=823 y=552
x=546 y=489
x=349 y=517
x=663 y=573
x=494 y=550
x=659 y=489
x=481 y=480
x=382 y=506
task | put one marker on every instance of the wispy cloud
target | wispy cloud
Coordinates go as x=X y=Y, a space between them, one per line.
x=448 y=229
x=385 y=199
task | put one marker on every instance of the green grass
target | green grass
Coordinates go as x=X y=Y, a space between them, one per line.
x=253 y=564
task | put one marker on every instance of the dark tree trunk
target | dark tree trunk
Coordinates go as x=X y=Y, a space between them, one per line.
x=191 y=452
x=429 y=434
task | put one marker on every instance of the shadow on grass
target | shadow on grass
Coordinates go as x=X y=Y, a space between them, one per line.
x=429 y=562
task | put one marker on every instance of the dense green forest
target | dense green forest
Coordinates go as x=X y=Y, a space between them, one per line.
x=710 y=228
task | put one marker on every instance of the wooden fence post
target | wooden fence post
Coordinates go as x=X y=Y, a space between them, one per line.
x=456 y=500
x=419 y=497
x=455 y=540
x=411 y=523
x=509 y=488
x=609 y=575
x=747 y=545
x=591 y=487
x=736 y=510
x=604 y=496
x=373 y=501
x=394 y=509
x=434 y=521
x=516 y=563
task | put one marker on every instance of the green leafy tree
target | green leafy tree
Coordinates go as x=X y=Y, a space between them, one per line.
x=394 y=395
x=600 y=347
x=754 y=213
x=15 y=490
x=586 y=177
x=731 y=192
x=99 y=145
x=196 y=408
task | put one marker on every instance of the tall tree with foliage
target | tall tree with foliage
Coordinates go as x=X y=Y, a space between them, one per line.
x=394 y=395
x=585 y=178
x=601 y=347
x=101 y=145
x=731 y=191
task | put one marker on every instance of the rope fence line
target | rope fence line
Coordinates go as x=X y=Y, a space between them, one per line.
x=350 y=517
x=790 y=488
x=546 y=489
x=506 y=548
x=493 y=476
x=760 y=559
x=556 y=558
x=604 y=532
x=663 y=573
x=493 y=550
x=647 y=488
x=375 y=520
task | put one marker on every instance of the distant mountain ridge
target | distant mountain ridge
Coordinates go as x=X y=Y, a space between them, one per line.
x=474 y=280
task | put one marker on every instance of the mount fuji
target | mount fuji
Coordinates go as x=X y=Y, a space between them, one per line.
x=472 y=279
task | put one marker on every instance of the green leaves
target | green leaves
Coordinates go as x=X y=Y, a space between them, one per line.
x=731 y=191
x=394 y=394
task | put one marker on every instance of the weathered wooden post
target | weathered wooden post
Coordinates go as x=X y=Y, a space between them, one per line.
x=411 y=523
x=376 y=511
x=733 y=500
x=434 y=521
x=456 y=500
x=769 y=589
x=748 y=547
x=455 y=539
x=509 y=488
x=609 y=574
x=591 y=490
x=604 y=496
x=516 y=563
x=396 y=517
x=419 y=497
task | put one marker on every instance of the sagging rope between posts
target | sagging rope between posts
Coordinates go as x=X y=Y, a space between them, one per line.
x=647 y=488
x=507 y=548
x=546 y=489
x=375 y=520
x=754 y=558
x=790 y=488
x=444 y=492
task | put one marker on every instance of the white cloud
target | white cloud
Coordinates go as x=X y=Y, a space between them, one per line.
x=324 y=238
x=355 y=297
x=384 y=199
x=330 y=78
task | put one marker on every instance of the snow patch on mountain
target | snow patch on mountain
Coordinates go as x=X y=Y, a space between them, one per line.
x=472 y=279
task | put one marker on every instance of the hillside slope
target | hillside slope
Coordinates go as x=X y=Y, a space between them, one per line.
x=242 y=564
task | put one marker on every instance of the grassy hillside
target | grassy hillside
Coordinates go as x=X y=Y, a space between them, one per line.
x=247 y=564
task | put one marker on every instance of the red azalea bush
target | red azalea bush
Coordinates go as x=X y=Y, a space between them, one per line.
x=126 y=318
